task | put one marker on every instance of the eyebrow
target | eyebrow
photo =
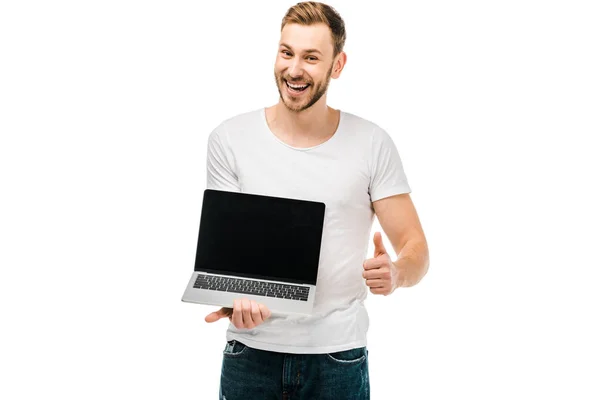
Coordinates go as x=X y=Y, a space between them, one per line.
x=306 y=51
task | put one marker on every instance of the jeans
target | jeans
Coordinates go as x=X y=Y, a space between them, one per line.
x=252 y=374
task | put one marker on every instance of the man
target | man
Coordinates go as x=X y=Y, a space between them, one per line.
x=302 y=148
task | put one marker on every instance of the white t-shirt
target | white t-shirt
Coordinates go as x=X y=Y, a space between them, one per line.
x=359 y=164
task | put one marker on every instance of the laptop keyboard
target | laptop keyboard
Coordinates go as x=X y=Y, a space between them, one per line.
x=245 y=286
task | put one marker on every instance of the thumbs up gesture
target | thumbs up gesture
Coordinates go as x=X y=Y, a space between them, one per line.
x=380 y=273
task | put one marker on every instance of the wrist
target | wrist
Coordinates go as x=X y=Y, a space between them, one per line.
x=401 y=272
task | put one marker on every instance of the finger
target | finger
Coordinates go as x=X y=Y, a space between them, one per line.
x=256 y=316
x=237 y=320
x=264 y=311
x=379 y=247
x=375 y=283
x=372 y=274
x=217 y=315
x=373 y=263
x=379 y=290
x=247 y=314
x=381 y=272
x=212 y=317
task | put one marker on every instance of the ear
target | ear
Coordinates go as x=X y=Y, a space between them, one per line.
x=338 y=65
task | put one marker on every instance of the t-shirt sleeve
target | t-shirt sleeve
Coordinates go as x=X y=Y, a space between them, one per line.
x=387 y=173
x=220 y=171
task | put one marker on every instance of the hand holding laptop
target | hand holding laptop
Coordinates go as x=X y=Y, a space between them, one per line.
x=244 y=314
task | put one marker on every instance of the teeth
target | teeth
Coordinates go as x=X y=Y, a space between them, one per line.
x=296 y=86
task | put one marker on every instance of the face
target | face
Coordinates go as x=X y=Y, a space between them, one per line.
x=304 y=60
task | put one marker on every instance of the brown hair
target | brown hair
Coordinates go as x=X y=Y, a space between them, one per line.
x=312 y=12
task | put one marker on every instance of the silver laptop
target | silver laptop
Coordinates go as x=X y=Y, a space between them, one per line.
x=257 y=247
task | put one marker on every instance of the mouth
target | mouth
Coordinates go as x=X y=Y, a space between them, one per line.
x=295 y=89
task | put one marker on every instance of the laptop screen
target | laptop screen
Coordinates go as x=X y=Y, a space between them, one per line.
x=261 y=237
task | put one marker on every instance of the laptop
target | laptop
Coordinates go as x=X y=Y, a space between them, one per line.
x=257 y=247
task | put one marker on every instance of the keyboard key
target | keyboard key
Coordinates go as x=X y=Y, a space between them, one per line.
x=242 y=286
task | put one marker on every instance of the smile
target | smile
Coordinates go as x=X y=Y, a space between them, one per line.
x=296 y=88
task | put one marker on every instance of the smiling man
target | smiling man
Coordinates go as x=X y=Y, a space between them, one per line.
x=302 y=148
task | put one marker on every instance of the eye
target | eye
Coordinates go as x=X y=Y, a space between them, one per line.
x=285 y=52
x=313 y=58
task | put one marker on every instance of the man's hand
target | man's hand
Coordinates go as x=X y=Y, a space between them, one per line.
x=380 y=273
x=244 y=314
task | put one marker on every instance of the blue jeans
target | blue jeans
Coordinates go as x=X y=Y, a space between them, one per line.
x=252 y=374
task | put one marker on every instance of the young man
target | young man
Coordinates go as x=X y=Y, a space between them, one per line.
x=302 y=148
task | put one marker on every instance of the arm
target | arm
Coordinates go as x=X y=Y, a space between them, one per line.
x=400 y=222
x=220 y=171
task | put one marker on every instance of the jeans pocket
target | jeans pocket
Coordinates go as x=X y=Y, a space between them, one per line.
x=233 y=348
x=347 y=357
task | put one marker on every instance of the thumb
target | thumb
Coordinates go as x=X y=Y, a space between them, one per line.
x=379 y=247
x=217 y=315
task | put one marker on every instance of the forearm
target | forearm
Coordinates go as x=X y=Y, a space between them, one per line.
x=412 y=263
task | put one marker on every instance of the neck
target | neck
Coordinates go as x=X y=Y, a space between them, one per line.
x=308 y=123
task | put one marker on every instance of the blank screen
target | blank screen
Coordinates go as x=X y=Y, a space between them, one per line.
x=260 y=236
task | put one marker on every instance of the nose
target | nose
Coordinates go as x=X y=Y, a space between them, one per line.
x=295 y=69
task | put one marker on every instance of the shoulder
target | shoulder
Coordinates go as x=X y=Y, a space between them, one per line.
x=242 y=121
x=357 y=122
x=373 y=131
x=233 y=129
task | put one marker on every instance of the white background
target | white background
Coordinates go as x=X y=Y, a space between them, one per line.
x=105 y=109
